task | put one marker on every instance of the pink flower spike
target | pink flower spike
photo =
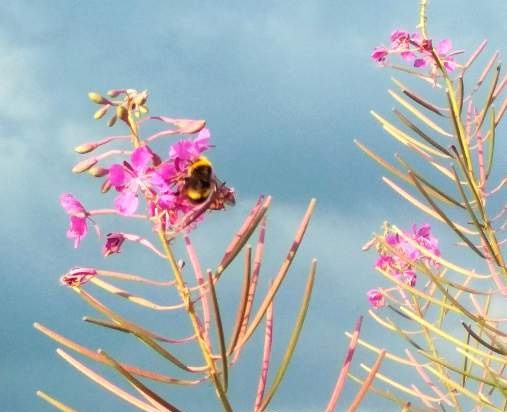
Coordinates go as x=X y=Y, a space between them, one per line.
x=376 y=298
x=77 y=276
x=113 y=244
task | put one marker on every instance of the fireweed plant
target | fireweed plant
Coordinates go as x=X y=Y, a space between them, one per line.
x=172 y=192
x=452 y=318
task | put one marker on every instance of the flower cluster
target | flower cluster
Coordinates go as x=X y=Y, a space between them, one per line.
x=414 y=49
x=398 y=257
x=176 y=191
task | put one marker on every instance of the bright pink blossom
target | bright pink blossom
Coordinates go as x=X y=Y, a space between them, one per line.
x=186 y=151
x=128 y=178
x=78 y=227
x=376 y=298
x=401 y=262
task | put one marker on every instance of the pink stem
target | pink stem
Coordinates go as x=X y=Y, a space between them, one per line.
x=99 y=212
x=145 y=242
x=427 y=380
x=202 y=289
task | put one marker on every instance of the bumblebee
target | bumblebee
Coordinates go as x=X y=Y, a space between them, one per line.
x=199 y=181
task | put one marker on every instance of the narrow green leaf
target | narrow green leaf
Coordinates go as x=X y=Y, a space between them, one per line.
x=406 y=121
x=429 y=185
x=478 y=225
x=136 y=383
x=293 y=338
x=54 y=402
x=282 y=272
x=489 y=97
x=220 y=331
x=240 y=312
x=460 y=93
x=444 y=216
x=491 y=145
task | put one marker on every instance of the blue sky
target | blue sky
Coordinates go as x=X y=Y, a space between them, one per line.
x=285 y=87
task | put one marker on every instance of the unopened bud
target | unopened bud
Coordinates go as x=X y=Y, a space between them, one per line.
x=98 y=171
x=143 y=109
x=84 y=165
x=99 y=114
x=85 y=148
x=106 y=185
x=112 y=121
x=97 y=98
x=121 y=113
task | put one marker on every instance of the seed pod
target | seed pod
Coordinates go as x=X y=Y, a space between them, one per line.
x=84 y=165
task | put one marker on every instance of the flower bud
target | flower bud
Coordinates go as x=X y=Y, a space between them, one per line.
x=77 y=276
x=106 y=185
x=122 y=113
x=84 y=165
x=97 y=98
x=112 y=121
x=98 y=171
x=85 y=148
x=99 y=114
x=113 y=243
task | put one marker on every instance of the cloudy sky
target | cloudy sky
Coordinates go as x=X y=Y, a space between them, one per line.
x=284 y=86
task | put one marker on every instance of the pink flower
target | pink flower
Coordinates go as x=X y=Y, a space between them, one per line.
x=186 y=151
x=77 y=276
x=376 y=298
x=128 y=178
x=113 y=244
x=379 y=54
x=78 y=227
x=401 y=262
x=444 y=52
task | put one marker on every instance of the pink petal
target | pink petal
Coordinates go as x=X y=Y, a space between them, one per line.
x=117 y=176
x=444 y=46
x=126 y=203
x=70 y=204
x=408 y=56
x=77 y=229
x=420 y=63
x=201 y=142
x=141 y=157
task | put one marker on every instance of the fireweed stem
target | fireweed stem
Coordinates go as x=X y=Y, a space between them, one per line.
x=185 y=297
